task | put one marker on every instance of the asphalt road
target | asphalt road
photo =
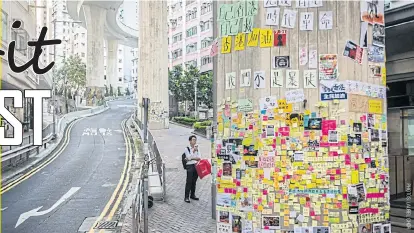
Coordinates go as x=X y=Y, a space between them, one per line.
x=88 y=170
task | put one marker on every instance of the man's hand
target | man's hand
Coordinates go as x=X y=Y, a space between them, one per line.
x=196 y=159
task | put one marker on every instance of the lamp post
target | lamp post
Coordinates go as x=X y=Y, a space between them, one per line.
x=195 y=98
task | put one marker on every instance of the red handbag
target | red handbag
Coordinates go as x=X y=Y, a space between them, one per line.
x=203 y=168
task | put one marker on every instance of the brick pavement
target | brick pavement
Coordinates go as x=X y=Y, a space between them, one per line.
x=174 y=215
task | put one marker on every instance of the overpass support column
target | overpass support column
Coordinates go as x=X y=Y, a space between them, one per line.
x=95 y=19
x=153 y=62
x=112 y=63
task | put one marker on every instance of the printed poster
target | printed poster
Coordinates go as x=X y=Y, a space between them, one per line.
x=223 y=228
x=376 y=54
x=279 y=38
x=378 y=35
x=375 y=71
x=353 y=51
x=363 y=41
x=372 y=11
x=281 y=62
x=328 y=66
x=331 y=90
x=269 y=102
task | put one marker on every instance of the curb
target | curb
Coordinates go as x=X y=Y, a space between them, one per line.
x=53 y=149
x=199 y=134
x=182 y=125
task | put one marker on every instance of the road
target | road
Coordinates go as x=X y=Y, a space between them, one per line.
x=75 y=186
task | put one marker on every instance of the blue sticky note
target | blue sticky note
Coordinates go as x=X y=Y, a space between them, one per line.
x=313 y=114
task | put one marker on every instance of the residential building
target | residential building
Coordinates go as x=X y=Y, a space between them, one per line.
x=79 y=40
x=190 y=29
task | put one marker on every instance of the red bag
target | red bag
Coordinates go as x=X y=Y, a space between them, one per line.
x=203 y=168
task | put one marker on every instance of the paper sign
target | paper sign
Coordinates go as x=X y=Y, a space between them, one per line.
x=303 y=56
x=270 y=3
x=294 y=96
x=230 y=80
x=328 y=66
x=259 y=79
x=266 y=38
x=240 y=42
x=292 y=78
x=245 y=77
x=223 y=228
x=281 y=62
x=289 y=18
x=313 y=59
x=269 y=102
x=214 y=48
x=285 y=2
x=253 y=38
x=306 y=21
x=245 y=105
x=276 y=77
x=357 y=103
x=384 y=76
x=353 y=51
x=325 y=20
x=315 y=3
x=331 y=90
x=375 y=106
x=272 y=16
x=310 y=79
x=226 y=44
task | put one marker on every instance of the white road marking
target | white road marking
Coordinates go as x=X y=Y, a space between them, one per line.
x=3 y=209
x=34 y=212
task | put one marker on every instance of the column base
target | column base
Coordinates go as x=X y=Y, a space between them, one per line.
x=94 y=96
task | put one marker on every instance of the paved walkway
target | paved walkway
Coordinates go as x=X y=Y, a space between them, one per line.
x=175 y=215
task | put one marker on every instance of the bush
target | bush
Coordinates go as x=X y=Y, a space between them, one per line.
x=201 y=127
x=185 y=120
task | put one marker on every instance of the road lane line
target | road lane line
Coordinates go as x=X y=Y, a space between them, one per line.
x=125 y=184
x=108 y=205
x=43 y=165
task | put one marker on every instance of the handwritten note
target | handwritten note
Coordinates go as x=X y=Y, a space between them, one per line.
x=294 y=96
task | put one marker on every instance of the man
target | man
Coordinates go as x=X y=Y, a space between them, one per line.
x=192 y=155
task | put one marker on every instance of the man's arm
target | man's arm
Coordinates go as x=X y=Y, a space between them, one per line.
x=187 y=154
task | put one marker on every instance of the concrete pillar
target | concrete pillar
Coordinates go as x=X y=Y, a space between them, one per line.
x=112 y=65
x=312 y=145
x=153 y=62
x=95 y=82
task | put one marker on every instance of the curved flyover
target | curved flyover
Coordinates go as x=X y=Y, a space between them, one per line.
x=114 y=28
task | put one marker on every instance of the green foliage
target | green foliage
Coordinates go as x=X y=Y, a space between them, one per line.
x=72 y=74
x=106 y=91
x=185 y=120
x=119 y=91
x=201 y=125
x=127 y=92
x=181 y=84
x=111 y=90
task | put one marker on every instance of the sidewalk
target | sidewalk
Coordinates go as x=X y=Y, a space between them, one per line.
x=174 y=215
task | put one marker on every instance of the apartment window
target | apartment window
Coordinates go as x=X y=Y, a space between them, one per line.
x=191 y=15
x=120 y=79
x=83 y=35
x=206 y=60
x=83 y=54
x=177 y=53
x=5 y=27
x=104 y=77
x=191 y=48
x=204 y=26
x=191 y=63
x=177 y=37
x=205 y=8
x=120 y=61
x=206 y=43
x=192 y=31
x=119 y=69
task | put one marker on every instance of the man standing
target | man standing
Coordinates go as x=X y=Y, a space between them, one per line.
x=192 y=155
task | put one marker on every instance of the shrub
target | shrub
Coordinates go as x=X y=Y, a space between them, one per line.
x=185 y=120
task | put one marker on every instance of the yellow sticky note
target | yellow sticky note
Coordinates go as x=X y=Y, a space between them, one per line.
x=240 y=41
x=375 y=106
x=266 y=37
x=354 y=177
x=253 y=37
x=384 y=76
x=226 y=44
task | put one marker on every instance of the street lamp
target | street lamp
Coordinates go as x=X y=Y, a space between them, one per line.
x=195 y=98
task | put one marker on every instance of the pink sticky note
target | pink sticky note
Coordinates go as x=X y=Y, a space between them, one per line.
x=264 y=192
x=245 y=190
x=234 y=191
x=312 y=213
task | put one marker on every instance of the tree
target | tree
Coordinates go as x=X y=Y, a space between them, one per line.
x=119 y=91
x=127 y=92
x=106 y=91
x=111 y=90
x=204 y=89
x=72 y=74
x=175 y=78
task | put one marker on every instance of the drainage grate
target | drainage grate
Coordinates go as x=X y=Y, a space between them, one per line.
x=171 y=169
x=106 y=225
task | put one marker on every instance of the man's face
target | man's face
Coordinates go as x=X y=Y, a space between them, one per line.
x=193 y=141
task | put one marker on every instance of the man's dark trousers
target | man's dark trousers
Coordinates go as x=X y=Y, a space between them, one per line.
x=190 y=185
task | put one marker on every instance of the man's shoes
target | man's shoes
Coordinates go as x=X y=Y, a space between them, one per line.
x=195 y=198
x=187 y=200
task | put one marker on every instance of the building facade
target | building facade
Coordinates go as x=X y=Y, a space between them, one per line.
x=190 y=29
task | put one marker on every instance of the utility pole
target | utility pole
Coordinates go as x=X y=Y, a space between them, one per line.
x=53 y=81
x=214 y=125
